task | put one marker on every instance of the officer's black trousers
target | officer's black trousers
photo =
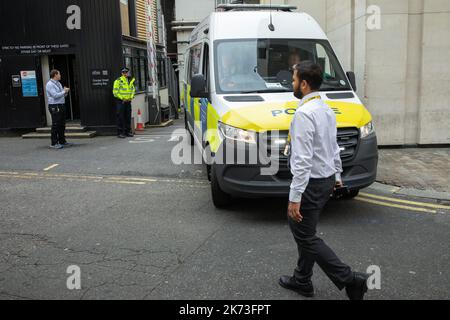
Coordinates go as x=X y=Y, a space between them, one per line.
x=311 y=248
x=123 y=118
x=58 y=113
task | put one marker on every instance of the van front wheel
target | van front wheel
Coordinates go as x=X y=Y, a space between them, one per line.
x=220 y=198
x=352 y=194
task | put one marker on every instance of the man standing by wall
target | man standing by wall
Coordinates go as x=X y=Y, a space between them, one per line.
x=56 y=104
x=124 y=91
x=316 y=167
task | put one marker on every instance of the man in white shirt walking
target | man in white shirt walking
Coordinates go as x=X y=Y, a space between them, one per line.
x=56 y=104
x=316 y=167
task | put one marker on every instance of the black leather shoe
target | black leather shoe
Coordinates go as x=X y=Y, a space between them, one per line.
x=130 y=135
x=121 y=136
x=358 y=288
x=306 y=290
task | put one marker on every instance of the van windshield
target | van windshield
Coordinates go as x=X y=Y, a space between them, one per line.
x=264 y=65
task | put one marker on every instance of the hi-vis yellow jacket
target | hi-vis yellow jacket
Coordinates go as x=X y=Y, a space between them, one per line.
x=124 y=90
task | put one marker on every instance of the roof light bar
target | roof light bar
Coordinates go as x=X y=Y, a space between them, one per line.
x=255 y=7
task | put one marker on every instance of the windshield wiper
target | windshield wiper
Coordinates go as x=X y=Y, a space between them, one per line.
x=335 y=89
x=267 y=91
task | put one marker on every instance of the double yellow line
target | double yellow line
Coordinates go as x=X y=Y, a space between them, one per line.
x=97 y=178
x=363 y=197
x=400 y=203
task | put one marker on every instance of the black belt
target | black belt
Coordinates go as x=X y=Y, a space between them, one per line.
x=318 y=180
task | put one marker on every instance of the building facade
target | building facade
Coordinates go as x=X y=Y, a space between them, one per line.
x=89 y=42
x=399 y=50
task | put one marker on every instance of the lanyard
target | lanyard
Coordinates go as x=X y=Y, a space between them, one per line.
x=310 y=99
x=57 y=87
x=287 y=150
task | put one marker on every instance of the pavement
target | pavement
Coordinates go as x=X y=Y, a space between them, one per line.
x=141 y=227
x=419 y=172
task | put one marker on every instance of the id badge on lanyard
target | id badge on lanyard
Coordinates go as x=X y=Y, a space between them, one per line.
x=288 y=149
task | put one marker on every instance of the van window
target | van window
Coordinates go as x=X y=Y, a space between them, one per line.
x=206 y=65
x=187 y=67
x=263 y=65
x=194 y=61
x=325 y=62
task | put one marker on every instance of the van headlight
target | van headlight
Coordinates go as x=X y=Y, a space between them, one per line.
x=367 y=130
x=237 y=134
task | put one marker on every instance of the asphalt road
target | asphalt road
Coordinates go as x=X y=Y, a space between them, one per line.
x=140 y=227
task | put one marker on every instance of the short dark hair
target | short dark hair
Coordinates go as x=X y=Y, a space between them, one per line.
x=310 y=72
x=53 y=73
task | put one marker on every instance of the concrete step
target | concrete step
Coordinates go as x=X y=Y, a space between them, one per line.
x=69 y=129
x=69 y=135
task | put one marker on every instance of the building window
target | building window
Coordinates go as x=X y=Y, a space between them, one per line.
x=136 y=60
x=162 y=77
x=125 y=17
x=143 y=66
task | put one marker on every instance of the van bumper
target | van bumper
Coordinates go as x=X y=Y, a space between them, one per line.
x=361 y=172
x=247 y=180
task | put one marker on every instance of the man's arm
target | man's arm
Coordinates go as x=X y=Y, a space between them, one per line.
x=116 y=90
x=302 y=150
x=133 y=90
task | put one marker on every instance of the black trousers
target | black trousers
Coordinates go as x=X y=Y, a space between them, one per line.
x=58 y=112
x=311 y=248
x=123 y=118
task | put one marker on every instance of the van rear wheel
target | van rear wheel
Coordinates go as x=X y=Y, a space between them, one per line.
x=220 y=198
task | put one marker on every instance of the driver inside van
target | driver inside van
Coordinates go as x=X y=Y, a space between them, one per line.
x=239 y=72
x=295 y=59
x=229 y=70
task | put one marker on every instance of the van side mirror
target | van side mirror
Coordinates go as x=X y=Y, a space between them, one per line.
x=198 y=87
x=352 y=78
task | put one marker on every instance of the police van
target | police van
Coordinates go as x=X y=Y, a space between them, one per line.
x=237 y=88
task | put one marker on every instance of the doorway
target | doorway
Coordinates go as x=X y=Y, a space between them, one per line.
x=66 y=64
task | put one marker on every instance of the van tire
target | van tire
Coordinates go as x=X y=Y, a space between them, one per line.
x=208 y=172
x=352 y=194
x=191 y=137
x=220 y=198
x=207 y=160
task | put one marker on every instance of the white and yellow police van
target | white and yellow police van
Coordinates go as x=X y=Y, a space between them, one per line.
x=237 y=87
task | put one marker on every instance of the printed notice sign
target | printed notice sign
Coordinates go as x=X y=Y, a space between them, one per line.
x=16 y=83
x=29 y=83
x=100 y=78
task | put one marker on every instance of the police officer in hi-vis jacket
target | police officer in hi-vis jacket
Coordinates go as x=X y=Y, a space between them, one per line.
x=124 y=91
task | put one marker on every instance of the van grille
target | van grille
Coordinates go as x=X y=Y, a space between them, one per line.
x=347 y=138
x=277 y=149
